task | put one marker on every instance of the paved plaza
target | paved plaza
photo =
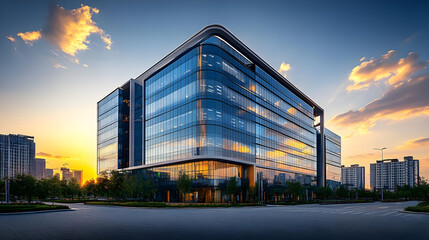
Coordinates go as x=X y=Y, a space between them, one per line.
x=342 y=221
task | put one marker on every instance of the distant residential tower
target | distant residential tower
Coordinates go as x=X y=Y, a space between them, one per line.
x=389 y=173
x=17 y=155
x=353 y=176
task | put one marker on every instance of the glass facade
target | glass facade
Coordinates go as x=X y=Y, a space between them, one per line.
x=209 y=103
x=210 y=106
x=333 y=159
x=112 y=131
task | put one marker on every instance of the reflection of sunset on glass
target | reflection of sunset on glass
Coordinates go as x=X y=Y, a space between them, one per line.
x=372 y=84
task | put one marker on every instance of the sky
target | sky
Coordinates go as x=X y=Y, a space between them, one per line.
x=364 y=62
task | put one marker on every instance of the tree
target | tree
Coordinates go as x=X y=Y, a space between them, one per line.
x=231 y=187
x=131 y=185
x=2 y=188
x=74 y=188
x=102 y=187
x=90 y=188
x=117 y=185
x=184 y=184
x=65 y=190
x=324 y=193
x=145 y=188
x=277 y=190
x=342 y=192
x=43 y=188
x=294 y=189
x=54 y=187
x=23 y=185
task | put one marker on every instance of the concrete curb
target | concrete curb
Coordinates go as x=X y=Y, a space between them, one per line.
x=411 y=212
x=34 y=212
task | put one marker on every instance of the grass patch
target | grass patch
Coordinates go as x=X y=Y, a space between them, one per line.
x=420 y=207
x=171 y=205
x=10 y=208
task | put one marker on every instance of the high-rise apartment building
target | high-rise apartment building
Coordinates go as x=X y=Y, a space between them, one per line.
x=353 y=176
x=389 y=173
x=17 y=154
x=78 y=175
x=49 y=173
x=39 y=168
x=67 y=174
x=213 y=109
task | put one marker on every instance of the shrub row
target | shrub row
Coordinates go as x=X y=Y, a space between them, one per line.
x=8 y=208
x=165 y=205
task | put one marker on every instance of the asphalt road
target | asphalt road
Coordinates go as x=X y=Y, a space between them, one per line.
x=344 y=221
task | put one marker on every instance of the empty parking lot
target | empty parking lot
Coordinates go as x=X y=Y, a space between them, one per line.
x=344 y=221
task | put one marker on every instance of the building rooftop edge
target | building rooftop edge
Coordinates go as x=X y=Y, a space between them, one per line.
x=216 y=29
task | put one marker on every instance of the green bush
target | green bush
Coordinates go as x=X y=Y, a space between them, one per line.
x=69 y=201
x=130 y=204
x=212 y=205
x=164 y=205
x=9 y=208
x=420 y=207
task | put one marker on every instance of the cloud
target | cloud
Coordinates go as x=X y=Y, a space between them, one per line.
x=386 y=67
x=107 y=40
x=30 y=37
x=69 y=29
x=412 y=37
x=402 y=101
x=12 y=39
x=284 y=68
x=59 y=65
x=362 y=157
x=363 y=58
x=53 y=52
x=47 y=155
x=415 y=143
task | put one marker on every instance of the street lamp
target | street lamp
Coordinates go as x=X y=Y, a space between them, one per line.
x=381 y=149
x=382 y=183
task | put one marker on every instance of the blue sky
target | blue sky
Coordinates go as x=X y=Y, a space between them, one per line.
x=323 y=41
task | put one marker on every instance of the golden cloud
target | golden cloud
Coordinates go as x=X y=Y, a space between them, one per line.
x=59 y=157
x=386 y=67
x=284 y=68
x=30 y=37
x=12 y=39
x=415 y=143
x=402 y=101
x=69 y=30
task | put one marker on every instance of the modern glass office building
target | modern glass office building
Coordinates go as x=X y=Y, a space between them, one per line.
x=214 y=110
x=333 y=159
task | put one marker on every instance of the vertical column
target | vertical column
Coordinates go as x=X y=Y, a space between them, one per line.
x=321 y=154
x=143 y=122
x=132 y=120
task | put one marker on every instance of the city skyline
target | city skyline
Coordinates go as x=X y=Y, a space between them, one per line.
x=370 y=76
